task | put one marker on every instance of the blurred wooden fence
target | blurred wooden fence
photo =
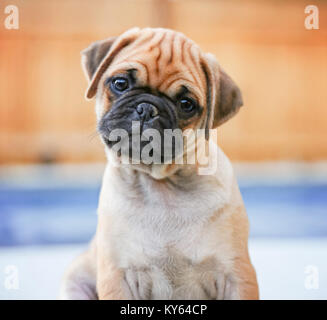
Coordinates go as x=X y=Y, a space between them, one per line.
x=280 y=66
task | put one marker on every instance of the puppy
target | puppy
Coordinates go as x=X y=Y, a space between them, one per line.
x=165 y=231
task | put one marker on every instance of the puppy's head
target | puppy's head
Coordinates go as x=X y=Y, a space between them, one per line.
x=155 y=79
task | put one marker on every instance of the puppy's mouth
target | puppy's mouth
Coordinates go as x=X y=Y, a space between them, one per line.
x=111 y=144
x=144 y=148
x=140 y=127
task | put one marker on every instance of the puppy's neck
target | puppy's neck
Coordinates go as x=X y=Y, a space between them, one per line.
x=182 y=178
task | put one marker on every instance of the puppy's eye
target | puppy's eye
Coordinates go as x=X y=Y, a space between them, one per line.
x=120 y=84
x=187 y=105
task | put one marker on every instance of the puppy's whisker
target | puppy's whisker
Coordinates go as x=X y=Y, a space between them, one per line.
x=93 y=135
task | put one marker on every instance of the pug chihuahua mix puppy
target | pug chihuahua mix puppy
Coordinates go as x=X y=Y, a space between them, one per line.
x=165 y=231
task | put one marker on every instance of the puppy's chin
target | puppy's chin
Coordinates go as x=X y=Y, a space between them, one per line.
x=155 y=170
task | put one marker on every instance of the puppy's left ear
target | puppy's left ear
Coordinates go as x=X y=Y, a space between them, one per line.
x=224 y=97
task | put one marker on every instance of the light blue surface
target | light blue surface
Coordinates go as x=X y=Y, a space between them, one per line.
x=51 y=215
x=43 y=212
x=47 y=215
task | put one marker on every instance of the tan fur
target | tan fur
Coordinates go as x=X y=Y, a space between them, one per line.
x=167 y=232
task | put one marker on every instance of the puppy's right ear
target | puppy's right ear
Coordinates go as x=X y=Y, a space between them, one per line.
x=93 y=55
x=224 y=97
x=98 y=56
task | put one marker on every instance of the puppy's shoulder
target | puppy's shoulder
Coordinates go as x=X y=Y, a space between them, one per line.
x=222 y=169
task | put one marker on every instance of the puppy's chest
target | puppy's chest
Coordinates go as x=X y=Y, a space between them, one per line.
x=162 y=219
x=153 y=235
x=163 y=233
x=166 y=243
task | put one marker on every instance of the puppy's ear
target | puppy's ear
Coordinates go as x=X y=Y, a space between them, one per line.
x=98 y=56
x=94 y=54
x=224 y=98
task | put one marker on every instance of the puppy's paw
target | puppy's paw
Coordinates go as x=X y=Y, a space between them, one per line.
x=227 y=287
x=209 y=290
x=138 y=283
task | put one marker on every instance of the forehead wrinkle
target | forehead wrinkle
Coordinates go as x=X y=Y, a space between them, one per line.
x=192 y=57
x=148 y=57
x=169 y=78
x=177 y=46
x=156 y=43
x=125 y=65
x=166 y=49
x=175 y=86
x=160 y=53
x=147 y=44
x=186 y=58
x=184 y=76
x=145 y=37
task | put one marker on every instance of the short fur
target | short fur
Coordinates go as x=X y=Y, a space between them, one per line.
x=164 y=231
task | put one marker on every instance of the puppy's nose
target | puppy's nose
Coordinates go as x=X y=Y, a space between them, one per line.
x=146 y=110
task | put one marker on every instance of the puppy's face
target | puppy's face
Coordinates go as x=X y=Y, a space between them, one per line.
x=155 y=79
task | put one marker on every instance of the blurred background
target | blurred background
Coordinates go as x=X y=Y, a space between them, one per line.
x=51 y=160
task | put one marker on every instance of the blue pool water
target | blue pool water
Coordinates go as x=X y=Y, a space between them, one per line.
x=55 y=215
